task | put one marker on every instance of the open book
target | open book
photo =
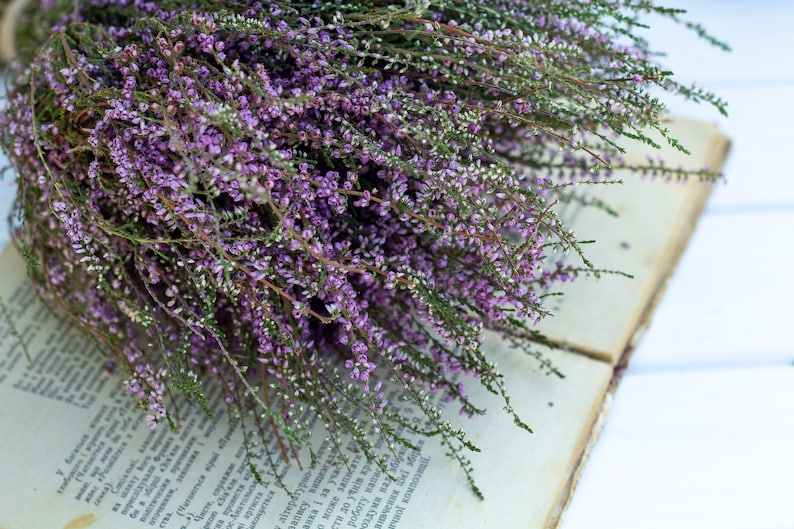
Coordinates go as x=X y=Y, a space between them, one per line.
x=77 y=454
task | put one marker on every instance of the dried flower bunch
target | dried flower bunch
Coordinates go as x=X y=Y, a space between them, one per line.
x=302 y=201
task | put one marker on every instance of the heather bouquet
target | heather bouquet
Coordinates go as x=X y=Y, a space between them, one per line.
x=307 y=202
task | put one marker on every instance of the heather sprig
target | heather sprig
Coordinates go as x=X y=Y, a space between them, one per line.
x=304 y=201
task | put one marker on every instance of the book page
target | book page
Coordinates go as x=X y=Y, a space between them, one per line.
x=77 y=453
x=601 y=317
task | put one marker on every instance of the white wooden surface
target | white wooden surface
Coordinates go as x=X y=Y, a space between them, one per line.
x=701 y=433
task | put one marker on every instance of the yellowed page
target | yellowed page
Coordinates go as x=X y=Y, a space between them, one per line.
x=600 y=317
x=76 y=450
x=77 y=453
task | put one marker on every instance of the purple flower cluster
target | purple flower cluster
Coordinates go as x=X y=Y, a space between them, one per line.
x=304 y=201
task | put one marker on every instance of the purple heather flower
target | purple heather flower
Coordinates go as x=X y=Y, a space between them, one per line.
x=264 y=193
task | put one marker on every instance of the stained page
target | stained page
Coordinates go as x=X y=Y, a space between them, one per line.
x=654 y=223
x=77 y=452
